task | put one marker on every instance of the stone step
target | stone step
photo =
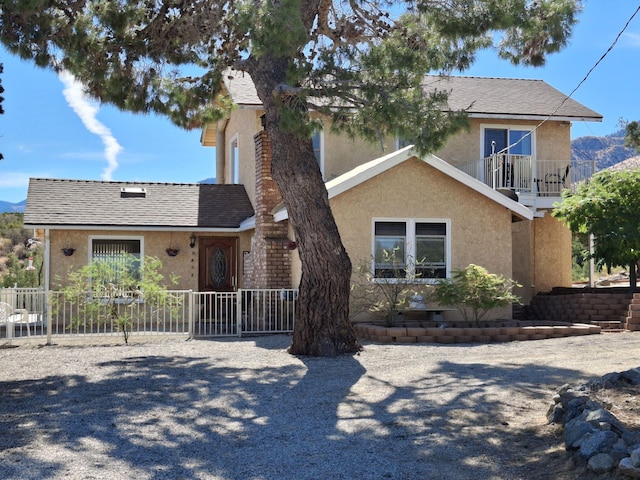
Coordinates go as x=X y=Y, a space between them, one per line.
x=608 y=324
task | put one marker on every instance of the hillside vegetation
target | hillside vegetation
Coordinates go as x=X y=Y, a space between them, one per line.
x=15 y=250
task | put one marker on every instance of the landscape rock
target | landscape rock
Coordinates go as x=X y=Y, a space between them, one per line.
x=598 y=442
x=592 y=433
x=601 y=463
x=626 y=468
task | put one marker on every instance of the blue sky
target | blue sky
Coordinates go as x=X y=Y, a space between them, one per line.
x=49 y=131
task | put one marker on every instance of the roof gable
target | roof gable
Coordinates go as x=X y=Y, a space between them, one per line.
x=375 y=167
x=97 y=204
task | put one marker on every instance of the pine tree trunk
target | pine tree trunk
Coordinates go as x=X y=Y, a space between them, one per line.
x=633 y=277
x=322 y=325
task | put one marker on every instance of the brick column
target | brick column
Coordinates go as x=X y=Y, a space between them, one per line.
x=269 y=263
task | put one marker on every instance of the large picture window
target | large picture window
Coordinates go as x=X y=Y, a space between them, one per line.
x=418 y=249
x=121 y=256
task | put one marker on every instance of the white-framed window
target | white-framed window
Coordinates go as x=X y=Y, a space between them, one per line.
x=419 y=249
x=318 y=149
x=403 y=142
x=118 y=252
x=234 y=160
x=513 y=140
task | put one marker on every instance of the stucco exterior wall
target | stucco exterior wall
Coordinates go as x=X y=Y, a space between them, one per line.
x=342 y=154
x=551 y=141
x=480 y=228
x=523 y=259
x=552 y=254
x=244 y=123
x=184 y=265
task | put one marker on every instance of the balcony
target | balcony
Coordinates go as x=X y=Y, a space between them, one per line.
x=538 y=183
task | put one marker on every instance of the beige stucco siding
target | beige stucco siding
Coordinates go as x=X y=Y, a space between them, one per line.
x=480 y=228
x=552 y=253
x=243 y=124
x=342 y=154
x=184 y=265
x=551 y=141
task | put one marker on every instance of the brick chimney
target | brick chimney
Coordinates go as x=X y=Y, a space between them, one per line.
x=268 y=264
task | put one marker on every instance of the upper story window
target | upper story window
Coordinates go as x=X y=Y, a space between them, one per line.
x=418 y=249
x=318 y=149
x=234 y=156
x=510 y=140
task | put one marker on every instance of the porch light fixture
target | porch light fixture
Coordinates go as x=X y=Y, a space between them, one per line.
x=192 y=241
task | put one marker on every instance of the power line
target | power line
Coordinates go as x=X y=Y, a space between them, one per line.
x=579 y=84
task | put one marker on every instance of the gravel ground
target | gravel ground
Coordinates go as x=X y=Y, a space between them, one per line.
x=244 y=409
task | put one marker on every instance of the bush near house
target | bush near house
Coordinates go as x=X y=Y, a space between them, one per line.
x=475 y=292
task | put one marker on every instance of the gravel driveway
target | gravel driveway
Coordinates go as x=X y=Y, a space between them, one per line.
x=244 y=409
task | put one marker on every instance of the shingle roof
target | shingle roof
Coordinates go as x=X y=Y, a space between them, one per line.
x=509 y=97
x=482 y=96
x=55 y=202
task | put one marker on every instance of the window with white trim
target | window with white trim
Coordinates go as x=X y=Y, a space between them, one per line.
x=118 y=254
x=513 y=140
x=318 y=149
x=414 y=248
x=234 y=152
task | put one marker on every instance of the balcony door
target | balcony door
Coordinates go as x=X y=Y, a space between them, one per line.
x=509 y=151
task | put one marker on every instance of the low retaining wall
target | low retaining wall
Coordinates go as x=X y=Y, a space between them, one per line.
x=465 y=334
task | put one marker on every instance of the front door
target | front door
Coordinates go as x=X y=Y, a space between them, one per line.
x=218 y=264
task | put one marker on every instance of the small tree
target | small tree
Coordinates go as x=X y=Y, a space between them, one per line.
x=607 y=206
x=474 y=292
x=388 y=291
x=632 y=135
x=107 y=292
x=24 y=269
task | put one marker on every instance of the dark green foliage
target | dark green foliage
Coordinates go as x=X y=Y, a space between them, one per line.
x=632 y=135
x=607 y=206
x=475 y=292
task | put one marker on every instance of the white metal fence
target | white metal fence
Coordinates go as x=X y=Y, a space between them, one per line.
x=177 y=312
x=523 y=173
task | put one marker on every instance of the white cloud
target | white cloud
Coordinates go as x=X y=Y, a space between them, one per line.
x=14 y=179
x=87 y=110
x=632 y=38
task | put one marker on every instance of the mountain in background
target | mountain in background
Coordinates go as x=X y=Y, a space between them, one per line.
x=8 y=207
x=606 y=151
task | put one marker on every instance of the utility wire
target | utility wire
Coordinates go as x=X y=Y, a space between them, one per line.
x=578 y=86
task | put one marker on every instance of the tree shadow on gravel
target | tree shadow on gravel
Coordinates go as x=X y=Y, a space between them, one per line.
x=163 y=417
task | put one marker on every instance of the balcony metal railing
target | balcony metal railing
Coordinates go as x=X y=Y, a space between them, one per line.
x=525 y=174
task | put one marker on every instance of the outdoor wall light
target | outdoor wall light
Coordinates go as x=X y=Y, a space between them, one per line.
x=192 y=240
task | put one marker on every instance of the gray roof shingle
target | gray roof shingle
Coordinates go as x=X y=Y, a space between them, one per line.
x=482 y=96
x=100 y=204
x=509 y=97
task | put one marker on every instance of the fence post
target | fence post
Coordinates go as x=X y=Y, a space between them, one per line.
x=47 y=316
x=190 y=310
x=239 y=297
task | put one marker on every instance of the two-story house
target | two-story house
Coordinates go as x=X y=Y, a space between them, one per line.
x=484 y=198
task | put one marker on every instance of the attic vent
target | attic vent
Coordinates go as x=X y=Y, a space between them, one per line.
x=133 y=192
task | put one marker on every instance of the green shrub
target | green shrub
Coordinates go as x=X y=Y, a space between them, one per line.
x=474 y=292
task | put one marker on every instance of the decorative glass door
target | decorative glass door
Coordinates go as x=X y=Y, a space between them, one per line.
x=218 y=264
